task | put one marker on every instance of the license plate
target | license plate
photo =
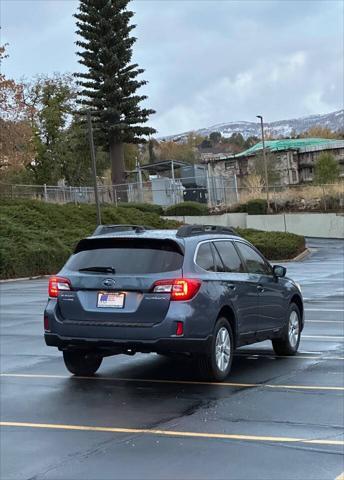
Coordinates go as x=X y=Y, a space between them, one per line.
x=110 y=300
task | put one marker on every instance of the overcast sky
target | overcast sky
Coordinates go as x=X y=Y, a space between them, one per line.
x=207 y=61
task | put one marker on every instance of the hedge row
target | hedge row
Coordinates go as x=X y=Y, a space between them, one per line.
x=187 y=208
x=143 y=207
x=275 y=245
x=36 y=238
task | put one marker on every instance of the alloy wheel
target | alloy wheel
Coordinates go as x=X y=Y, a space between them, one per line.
x=294 y=328
x=222 y=349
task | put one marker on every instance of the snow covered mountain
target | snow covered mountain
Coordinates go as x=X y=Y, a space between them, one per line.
x=334 y=121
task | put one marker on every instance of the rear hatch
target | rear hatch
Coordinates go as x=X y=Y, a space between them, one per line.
x=112 y=278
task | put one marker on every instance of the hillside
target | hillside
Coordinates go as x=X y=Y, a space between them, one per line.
x=334 y=121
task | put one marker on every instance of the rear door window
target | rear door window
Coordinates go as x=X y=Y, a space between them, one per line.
x=219 y=267
x=127 y=256
x=230 y=258
x=254 y=262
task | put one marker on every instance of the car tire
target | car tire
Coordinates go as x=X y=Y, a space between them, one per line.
x=81 y=363
x=217 y=364
x=288 y=344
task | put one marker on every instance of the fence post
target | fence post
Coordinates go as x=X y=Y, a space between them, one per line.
x=45 y=192
x=209 y=192
x=236 y=188
x=324 y=198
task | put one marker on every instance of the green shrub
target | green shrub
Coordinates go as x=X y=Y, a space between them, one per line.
x=36 y=238
x=275 y=245
x=257 y=206
x=187 y=208
x=143 y=207
x=239 y=208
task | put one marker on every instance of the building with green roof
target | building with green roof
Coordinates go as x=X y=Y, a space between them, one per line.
x=292 y=158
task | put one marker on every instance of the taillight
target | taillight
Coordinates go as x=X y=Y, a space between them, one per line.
x=179 y=288
x=56 y=284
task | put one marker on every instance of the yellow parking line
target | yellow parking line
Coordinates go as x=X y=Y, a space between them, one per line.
x=182 y=382
x=173 y=433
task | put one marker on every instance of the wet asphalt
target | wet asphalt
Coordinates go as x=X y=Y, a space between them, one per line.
x=254 y=426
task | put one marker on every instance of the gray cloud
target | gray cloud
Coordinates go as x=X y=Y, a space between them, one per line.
x=207 y=62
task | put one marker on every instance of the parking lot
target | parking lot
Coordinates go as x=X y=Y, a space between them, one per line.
x=150 y=417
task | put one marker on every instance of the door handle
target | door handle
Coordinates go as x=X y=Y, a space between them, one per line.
x=260 y=288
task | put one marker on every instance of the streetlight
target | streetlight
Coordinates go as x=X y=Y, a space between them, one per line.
x=94 y=169
x=265 y=164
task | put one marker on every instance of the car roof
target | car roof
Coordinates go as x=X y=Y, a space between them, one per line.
x=164 y=234
x=159 y=234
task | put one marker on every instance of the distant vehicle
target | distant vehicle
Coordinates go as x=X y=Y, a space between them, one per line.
x=202 y=291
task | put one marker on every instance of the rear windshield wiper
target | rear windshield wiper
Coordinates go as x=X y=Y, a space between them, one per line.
x=98 y=269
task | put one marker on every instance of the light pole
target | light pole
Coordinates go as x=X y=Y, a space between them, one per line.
x=94 y=169
x=265 y=164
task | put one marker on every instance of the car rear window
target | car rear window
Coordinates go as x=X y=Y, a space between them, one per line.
x=127 y=256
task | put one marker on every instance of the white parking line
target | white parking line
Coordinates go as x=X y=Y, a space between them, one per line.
x=324 y=337
x=324 y=309
x=324 y=321
x=300 y=356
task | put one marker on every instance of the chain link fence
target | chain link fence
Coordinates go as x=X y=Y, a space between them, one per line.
x=162 y=191
x=218 y=193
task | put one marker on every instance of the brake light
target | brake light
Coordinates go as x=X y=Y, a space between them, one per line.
x=56 y=284
x=179 y=288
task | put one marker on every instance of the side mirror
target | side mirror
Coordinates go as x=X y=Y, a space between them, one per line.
x=279 y=271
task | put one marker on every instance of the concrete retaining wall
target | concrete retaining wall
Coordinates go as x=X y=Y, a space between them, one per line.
x=322 y=225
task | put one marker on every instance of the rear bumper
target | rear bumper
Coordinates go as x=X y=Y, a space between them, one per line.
x=111 y=346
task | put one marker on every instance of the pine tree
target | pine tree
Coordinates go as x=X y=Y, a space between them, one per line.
x=110 y=84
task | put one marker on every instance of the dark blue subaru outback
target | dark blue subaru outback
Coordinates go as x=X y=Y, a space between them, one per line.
x=201 y=291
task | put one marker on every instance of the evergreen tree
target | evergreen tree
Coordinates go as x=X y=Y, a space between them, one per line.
x=110 y=84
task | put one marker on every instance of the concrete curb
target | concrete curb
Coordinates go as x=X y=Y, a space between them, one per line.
x=298 y=257
x=8 y=280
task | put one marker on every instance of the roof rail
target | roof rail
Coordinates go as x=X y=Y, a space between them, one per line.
x=105 y=229
x=193 y=230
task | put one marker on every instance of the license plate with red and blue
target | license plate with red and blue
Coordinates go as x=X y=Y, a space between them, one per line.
x=110 y=300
